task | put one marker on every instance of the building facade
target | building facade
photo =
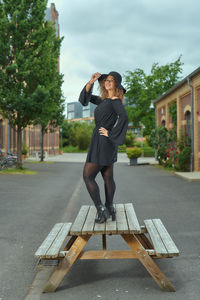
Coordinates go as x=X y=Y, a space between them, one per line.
x=31 y=136
x=75 y=111
x=186 y=95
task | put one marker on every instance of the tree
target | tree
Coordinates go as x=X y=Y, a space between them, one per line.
x=142 y=89
x=29 y=50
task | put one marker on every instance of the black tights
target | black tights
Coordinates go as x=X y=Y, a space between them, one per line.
x=90 y=171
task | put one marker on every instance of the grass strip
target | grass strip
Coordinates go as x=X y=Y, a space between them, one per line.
x=18 y=171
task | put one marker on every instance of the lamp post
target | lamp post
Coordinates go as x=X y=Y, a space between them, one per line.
x=61 y=140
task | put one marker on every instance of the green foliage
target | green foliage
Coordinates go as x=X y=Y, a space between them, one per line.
x=171 y=153
x=129 y=140
x=24 y=149
x=83 y=138
x=148 y=151
x=134 y=152
x=122 y=148
x=173 y=112
x=184 y=141
x=77 y=134
x=30 y=84
x=183 y=163
x=163 y=141
x=69 y=149
x=142 y=89
x=183 y=158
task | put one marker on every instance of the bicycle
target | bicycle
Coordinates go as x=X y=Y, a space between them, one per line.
x=7 y=161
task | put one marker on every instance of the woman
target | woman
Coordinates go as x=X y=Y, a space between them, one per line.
x=106 y=137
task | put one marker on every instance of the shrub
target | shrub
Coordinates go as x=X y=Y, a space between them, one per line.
x=24 y=149
x=83 y=137
x=129 y=140
x=148 y=152
x=69 y=149
x=122 y=148
x=183 y=163
x=138 y=144
x=134 y=152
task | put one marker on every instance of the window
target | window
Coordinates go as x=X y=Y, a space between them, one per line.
x=71 y=107
x=70 y=115
x=188 y=122
x=163 y=123
x=86 y=113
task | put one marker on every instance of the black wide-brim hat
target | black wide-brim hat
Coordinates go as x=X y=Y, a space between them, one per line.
x=118 y=79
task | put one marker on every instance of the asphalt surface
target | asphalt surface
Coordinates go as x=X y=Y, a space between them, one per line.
x=31 y=205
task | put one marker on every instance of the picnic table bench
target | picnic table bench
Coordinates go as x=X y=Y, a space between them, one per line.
x=66 y=241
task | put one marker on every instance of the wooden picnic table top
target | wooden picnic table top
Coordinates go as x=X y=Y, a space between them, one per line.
x=141 y=247
x=126 y=221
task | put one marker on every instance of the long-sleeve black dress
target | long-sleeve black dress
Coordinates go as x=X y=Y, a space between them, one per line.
x=110 y=114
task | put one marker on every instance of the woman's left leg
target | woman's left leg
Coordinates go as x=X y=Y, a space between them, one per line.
x=110 y=187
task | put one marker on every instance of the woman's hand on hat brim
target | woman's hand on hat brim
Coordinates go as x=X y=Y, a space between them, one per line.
x=94 y=77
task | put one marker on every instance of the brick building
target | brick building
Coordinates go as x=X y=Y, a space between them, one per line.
x=31 y=135
x=186 y=94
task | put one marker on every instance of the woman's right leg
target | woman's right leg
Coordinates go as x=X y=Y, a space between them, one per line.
x=90 y=172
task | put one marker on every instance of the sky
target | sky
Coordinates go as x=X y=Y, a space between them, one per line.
x=115 y=35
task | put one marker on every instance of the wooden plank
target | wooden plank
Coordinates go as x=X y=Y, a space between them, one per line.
x=59 y=241
x=122 y=225
x=155 y=237
x=148 y=263
x=66 y=264
x=144 y=241
x=89 y=222
x=78 y=224
x=133 y=224
x=41 y=251
x=109 y=254
x=166 y=238
x=111 y=226
x=99 y=228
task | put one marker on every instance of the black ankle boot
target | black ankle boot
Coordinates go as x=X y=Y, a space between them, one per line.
x=111 y=210
x=103 y=214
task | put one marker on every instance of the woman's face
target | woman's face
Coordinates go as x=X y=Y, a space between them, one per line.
x=109 y=83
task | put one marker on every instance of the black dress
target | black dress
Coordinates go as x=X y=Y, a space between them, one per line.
x=110 y=114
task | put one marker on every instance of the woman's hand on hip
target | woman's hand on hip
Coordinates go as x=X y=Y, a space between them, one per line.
x=103 y=131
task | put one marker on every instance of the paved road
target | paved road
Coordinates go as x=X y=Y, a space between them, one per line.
x=31 y=205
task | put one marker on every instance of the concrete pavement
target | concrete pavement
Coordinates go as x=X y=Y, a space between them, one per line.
x=31 y=205
x=122 y=158
x=81 y=157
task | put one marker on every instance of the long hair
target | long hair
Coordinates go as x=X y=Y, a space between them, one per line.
x=104 y=93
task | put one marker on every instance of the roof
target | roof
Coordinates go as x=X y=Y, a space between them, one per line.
x=179 y=84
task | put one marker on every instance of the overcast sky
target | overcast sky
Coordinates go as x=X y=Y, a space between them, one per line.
x=115 y=35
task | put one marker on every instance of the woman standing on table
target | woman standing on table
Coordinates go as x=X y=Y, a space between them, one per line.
x=111 y=122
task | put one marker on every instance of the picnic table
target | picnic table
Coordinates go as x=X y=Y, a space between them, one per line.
x=66 y=241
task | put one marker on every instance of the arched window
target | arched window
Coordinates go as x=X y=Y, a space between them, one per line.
x=188 y=122
x=163 y=123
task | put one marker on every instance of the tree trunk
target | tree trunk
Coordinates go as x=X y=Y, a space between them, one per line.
x=19 y=147
x=42 y=145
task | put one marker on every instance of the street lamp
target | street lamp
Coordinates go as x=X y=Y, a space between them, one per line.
x=61 y=142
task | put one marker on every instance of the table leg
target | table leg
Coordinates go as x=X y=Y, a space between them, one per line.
x=148 y=263
x=70 y=243
x=104 y=241
x=66 y=263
